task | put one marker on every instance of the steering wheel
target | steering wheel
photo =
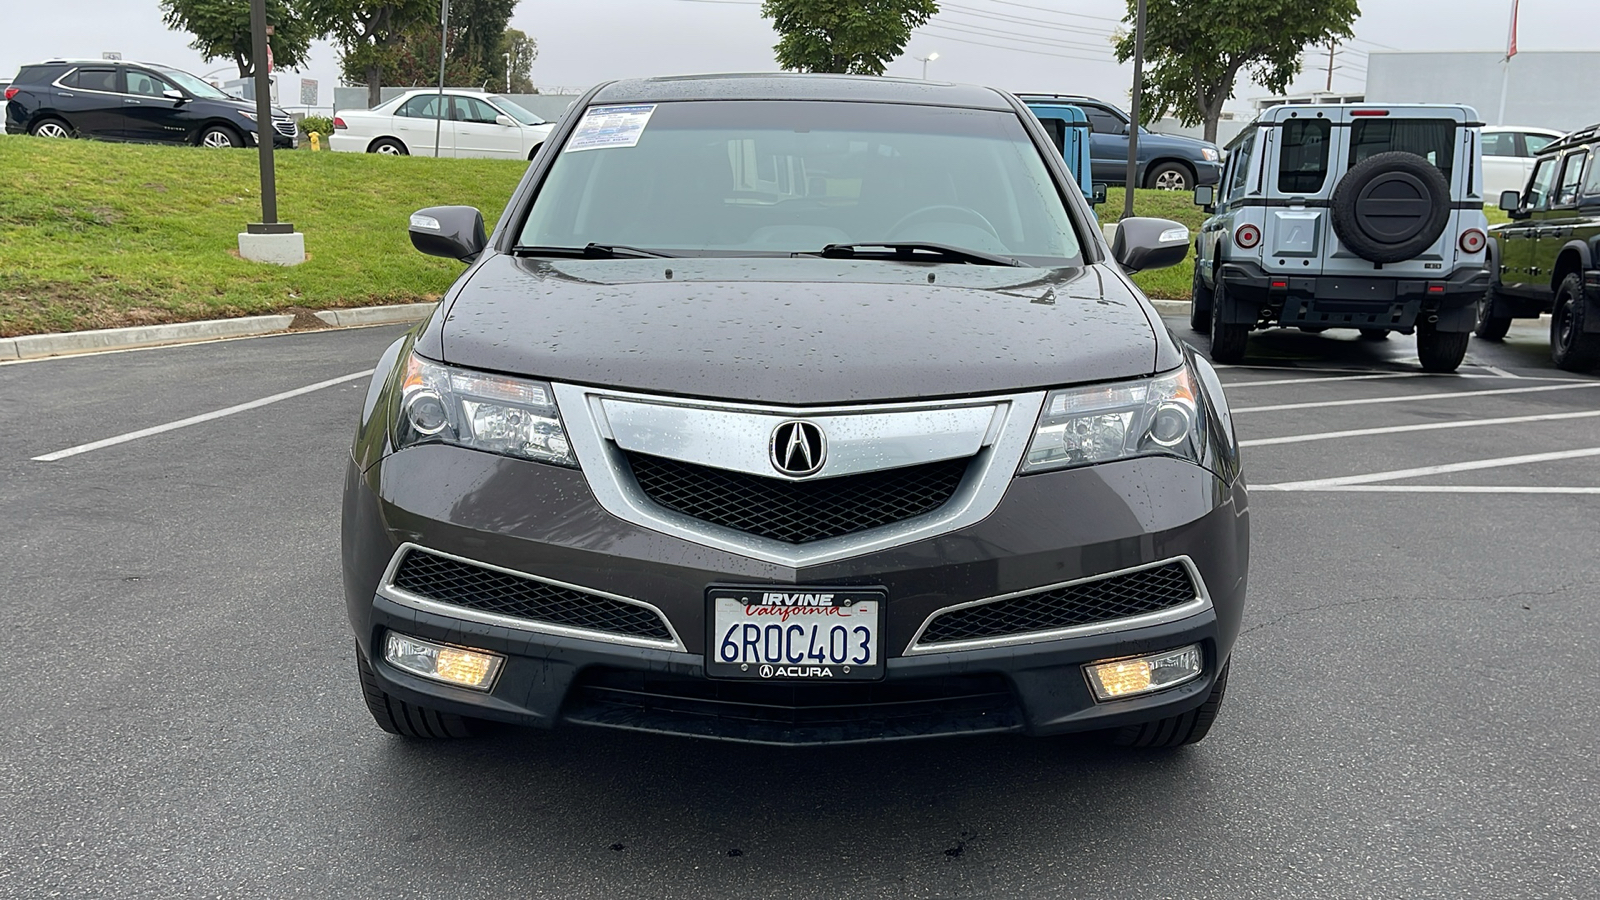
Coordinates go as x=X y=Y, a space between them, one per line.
x=943 y=213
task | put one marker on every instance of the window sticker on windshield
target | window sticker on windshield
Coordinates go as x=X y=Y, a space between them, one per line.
x=610 y=126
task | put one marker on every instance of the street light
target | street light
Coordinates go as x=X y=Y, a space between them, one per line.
x=925 y=60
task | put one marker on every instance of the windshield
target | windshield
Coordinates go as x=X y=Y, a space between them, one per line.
x=515 y=111
x=194 y=84
x=779 y=177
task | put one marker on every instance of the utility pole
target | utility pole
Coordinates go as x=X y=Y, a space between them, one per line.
x=1331 y=46
x=508 y=71
x=1133 y=126
x=267 y=240
x=444 y=37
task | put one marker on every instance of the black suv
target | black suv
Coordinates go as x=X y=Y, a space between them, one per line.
x=1166 y=162
x=126 y=101
x=1545 y=258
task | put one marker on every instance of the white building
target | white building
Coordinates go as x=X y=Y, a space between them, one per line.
x=1547 y=89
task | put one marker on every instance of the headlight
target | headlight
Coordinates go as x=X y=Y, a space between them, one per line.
x=1209 y=154
x=1159 y=416
x=440 y=404
x=248 y=115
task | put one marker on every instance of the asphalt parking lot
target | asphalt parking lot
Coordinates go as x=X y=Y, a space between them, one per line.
x=1411 y=710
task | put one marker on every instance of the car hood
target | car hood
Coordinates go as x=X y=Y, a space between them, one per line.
x=797 y=331
x=1175 y=142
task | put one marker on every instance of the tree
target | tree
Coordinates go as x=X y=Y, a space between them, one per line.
x=854 y=36
x=1194 y=50
x=221 y=30
x=474 y=57
x=367 y=32
x=522 y=50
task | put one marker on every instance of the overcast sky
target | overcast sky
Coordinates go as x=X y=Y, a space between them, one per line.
x=1038 y=45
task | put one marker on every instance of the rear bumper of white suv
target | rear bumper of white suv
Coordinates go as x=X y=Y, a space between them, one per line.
x=1256 y=296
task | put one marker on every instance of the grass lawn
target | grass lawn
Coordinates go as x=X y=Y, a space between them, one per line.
x=98 y=235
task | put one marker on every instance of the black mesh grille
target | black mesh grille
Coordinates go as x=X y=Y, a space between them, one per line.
x=768 y=713
x=797 y=511
x=1119 y=597
x=486 y=590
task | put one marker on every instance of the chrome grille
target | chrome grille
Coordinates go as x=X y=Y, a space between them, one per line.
x=797 y=512
x=285 y=127
x=463 y=584
x=1103 y=600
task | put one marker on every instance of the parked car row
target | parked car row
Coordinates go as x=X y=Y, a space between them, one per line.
x=131 y=101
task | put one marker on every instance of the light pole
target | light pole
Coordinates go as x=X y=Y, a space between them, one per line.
x=508 y=71
x=444 y=36
x=1133 y=126
x=925 y=60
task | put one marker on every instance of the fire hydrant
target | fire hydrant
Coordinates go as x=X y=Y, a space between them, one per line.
x=316 y=140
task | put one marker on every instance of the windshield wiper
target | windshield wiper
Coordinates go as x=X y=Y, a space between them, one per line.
x=909 y=249
x=592 y=251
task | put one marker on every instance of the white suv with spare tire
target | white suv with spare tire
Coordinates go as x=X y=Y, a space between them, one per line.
x=1347 y=216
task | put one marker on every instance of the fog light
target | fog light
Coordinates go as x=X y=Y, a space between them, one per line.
x=1142 y=674
x=441 y=662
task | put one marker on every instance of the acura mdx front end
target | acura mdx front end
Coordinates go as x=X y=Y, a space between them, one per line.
x=796 y=410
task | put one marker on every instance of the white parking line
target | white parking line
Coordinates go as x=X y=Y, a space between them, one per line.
x=1501 y=372
x=1231 y=385
x=1444 y=395
x=1427 y=426
x=1323 y=484
x=195 y=420
x=1455 y=489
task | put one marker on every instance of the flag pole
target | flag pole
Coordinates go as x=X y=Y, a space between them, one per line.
x=1505 y=65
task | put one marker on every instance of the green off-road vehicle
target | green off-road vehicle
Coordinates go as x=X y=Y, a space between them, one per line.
x=1547 y=258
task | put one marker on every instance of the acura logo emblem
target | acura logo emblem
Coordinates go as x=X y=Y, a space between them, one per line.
x=798 y=448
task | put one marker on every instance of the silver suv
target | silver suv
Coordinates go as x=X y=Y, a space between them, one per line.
x=1345 y=216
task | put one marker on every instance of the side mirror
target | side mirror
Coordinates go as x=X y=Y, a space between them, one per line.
x=1143 y=243
x=173 y=94
x=1097 y=194
x=505 y=120
x=453 y=232
x=1510 y=201
x=1205 y=195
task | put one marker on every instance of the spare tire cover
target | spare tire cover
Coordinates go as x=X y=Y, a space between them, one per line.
x=1390 y=207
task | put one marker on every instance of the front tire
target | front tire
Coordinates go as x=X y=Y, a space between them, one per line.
x=407 y=719
x=51 y=128
x=219 y=138
x=1227 y=341
x=1570 y=348
x=1169 y=177
x=1441 y=351
x=1200 y=299
x=1175 y=731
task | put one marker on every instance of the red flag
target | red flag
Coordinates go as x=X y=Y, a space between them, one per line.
x=1511 y=39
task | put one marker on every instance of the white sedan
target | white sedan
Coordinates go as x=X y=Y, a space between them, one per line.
x=1508 y=157
x=474 y=124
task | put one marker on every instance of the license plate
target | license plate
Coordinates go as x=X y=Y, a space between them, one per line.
x=785 y=633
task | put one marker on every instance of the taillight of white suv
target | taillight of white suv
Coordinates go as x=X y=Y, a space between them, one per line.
x=1473 y=241
x=1247 y=236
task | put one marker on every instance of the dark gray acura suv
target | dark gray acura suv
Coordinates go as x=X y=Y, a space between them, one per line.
x=796 y=410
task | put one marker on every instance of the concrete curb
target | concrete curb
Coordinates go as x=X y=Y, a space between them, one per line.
x=38 y=346
x=377 y=315
x=1171 y=307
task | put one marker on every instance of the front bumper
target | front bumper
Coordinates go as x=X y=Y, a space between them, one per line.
x=1258 y=297
x=1049 y=529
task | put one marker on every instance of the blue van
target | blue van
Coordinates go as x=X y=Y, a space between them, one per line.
x=1068 y=128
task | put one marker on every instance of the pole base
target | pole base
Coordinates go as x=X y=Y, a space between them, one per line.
x=280 y=248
